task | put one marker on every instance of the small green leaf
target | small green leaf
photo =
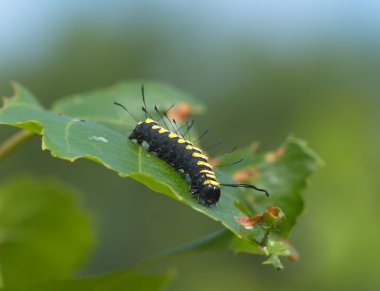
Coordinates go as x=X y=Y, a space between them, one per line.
x=260 y=226
x=274 y=260
x=43 y=233
x=90 y=126
x=116 y=281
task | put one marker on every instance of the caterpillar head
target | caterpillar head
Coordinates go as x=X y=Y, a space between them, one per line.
x=209 y=194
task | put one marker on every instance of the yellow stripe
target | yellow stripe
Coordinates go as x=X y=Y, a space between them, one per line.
x=198 y=155
x=191 y=147
x=172 y=135
x=207 y=182
x=156 y=127
x=148 y=120
x=207 y=172
x=181 y=140
x=197 y=149
x=211 y=176
x=201 y=163
x=139 y=122
x=162 y=130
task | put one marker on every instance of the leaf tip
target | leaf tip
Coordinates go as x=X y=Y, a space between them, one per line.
x=304 y=145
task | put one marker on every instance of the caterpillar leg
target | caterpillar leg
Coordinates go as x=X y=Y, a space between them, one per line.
x=137 y=137
x=193 y=190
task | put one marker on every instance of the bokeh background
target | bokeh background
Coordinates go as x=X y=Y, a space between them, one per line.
x=265 y=69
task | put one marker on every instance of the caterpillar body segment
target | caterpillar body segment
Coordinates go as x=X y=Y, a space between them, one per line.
x=182 y=156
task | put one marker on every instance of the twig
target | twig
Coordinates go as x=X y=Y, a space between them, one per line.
x=12 y=142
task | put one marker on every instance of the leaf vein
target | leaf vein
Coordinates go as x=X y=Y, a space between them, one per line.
x=66 y=135
x=139 y=160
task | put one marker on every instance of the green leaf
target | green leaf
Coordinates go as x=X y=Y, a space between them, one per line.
x=90 y=126
x=98 y=105
x=43 y=232
x=284 y=172
x=116 y=281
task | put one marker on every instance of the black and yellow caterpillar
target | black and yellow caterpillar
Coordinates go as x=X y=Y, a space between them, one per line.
x=182 y=155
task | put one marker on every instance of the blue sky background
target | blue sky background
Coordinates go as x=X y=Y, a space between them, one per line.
x=31 y=29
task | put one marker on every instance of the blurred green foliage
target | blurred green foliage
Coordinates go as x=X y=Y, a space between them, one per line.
x=122 y=280
x=43 y=233
x=327 y=93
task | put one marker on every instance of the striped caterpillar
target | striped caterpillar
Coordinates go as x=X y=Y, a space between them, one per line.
x=181 y=154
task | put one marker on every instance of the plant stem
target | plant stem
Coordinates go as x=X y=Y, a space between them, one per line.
x=12 y=142
x=201 y=244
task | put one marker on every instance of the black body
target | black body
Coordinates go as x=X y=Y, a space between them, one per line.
x=182 y=156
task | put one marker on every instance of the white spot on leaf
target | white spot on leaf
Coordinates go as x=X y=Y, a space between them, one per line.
x=98 y=138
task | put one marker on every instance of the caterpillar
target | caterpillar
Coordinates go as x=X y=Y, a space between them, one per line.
x=181 y=154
